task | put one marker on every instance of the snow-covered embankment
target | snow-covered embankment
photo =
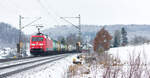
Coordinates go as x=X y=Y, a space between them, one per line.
x=124 y=53
x=56 y=69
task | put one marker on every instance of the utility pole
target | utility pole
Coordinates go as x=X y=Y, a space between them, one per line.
x=78 y=27
x=19 y=45
x=78 y=44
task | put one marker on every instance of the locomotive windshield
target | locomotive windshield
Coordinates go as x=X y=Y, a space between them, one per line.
x=37 y=39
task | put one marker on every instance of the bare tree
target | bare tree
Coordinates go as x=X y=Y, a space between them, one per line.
x=72 y=39
x=137 y=40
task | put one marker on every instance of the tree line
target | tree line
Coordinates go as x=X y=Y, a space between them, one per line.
x=120 y=38
x=9 y=36
x=103 y=40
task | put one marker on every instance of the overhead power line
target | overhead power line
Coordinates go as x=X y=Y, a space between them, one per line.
x=31 y=22
x=48 y=12
x=63 y=18
x=69 y=22
x=78 y=27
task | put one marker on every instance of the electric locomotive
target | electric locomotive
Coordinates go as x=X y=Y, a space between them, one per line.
x=41 y=44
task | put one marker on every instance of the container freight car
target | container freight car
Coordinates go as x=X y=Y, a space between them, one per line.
x=41 y=44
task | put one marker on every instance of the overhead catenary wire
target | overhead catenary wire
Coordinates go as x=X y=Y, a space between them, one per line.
x=46 y=10
x=78 y=27
x=55 y=13
x=69 y=22
x=31 y=22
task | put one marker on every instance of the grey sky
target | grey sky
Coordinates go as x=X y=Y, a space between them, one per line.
x=99 y=12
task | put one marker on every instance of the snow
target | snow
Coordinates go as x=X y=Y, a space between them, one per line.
x=59 y=68
x=95 y=72
x=7 y=53
x=27 y=65
x=15 y=62
x=56 y=69
x=123 y=53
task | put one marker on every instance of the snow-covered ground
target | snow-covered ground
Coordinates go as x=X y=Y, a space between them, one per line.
x=128 y=66
x=124 y=53
x=56 y=69
x=59 y=69
x=8 y=52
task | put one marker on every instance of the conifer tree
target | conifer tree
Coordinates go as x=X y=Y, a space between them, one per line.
x=117 y=37
x=124 y=37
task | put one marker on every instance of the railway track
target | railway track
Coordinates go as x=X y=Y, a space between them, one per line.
x=13 y=67
x=13 y=59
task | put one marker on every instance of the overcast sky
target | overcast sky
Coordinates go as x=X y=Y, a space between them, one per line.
x=97 y=12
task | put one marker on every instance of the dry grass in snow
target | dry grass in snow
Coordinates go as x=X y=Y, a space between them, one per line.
x=109 y=66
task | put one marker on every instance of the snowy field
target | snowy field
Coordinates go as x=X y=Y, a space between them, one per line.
x=56 y=69
x=8 y=52
x=128 y=66
x=59 y=69
x=124 y=53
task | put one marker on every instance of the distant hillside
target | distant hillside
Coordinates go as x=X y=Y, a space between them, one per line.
x=66 y=30
x=9 y=36
x=89 y=31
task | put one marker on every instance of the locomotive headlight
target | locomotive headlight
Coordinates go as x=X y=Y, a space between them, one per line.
x=33 y=44
x=41 y=44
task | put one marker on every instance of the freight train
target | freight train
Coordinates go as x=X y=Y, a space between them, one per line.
x=41 y=44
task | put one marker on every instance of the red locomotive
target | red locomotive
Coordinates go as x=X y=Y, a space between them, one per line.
x=41 y=44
